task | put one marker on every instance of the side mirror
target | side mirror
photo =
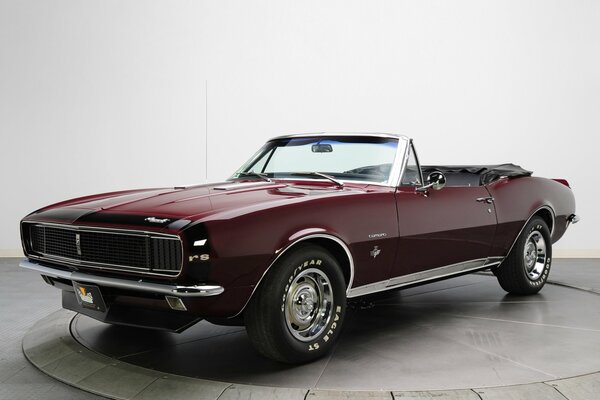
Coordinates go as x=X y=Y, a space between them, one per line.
x=435 y=180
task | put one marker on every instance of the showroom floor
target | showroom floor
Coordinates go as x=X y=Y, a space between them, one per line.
x=467 y=322
x=24 y=299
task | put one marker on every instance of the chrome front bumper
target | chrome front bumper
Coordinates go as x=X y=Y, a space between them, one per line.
x=139 y=285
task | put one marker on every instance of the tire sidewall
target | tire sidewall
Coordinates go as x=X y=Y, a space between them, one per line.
x=539 y=225
x=305 y=258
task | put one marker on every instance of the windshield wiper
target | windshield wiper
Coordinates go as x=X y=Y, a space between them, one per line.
x=322 y=175
x=260 y=175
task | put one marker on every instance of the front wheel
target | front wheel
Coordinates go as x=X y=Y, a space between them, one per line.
x=525 y=270
x=297 y=313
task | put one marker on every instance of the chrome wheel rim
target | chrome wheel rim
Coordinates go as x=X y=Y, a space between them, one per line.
x=534 y=255
x=308 y=304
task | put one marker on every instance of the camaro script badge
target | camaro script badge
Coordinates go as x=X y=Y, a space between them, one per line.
x=155 y=220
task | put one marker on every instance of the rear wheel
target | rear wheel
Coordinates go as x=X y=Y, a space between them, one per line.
x=526 y=269
x=297 y=313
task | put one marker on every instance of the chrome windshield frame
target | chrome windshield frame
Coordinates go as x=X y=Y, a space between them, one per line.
x=398 y=165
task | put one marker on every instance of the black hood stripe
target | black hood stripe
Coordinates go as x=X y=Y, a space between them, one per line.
x=66 y=214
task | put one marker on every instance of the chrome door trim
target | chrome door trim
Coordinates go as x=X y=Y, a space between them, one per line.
x=424 y=276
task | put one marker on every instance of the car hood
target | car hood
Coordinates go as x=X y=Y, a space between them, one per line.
x=164 y=207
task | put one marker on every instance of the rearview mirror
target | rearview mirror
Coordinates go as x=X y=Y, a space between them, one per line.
x=322 y=148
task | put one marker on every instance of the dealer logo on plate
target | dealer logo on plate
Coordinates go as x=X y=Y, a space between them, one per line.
x=85 y=296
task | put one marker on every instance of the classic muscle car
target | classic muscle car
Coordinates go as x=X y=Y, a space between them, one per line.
x=308 y=222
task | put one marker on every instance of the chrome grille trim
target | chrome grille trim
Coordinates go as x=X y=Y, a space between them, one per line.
x=144 y=254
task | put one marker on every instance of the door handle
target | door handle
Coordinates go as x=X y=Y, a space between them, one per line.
x=488 y=200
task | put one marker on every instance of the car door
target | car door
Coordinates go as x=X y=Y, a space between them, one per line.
x=450 y=230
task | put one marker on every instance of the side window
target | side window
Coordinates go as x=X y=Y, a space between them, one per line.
x=412 y=175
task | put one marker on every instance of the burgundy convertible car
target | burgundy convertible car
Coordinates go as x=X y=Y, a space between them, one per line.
x=307 y=223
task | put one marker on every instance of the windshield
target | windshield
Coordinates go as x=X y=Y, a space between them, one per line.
x=350 y=158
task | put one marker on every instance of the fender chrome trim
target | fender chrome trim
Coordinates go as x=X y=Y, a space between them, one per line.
x=139 y=285
x=424 y=276
x=529 y=219
x=281 y=251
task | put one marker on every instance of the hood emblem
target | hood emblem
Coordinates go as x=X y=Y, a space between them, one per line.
x=375 y=252
x=155 y=220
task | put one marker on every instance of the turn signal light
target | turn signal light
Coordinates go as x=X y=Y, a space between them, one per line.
x=175 y=303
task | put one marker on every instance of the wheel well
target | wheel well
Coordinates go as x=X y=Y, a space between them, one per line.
x=336 y=251
x=335 y=246
x=547 y=216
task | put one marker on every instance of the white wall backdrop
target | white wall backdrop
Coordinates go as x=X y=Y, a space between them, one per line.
x=107 y=95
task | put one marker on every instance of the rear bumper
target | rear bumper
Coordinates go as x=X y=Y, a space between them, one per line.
x=127 y=284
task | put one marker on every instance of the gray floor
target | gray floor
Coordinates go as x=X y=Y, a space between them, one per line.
x=24 y=299
x=460 y=333
x=467 y=324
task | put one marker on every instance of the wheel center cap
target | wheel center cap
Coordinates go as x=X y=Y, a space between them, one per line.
x=304 y=303
x=530 y=253
x=308 y=305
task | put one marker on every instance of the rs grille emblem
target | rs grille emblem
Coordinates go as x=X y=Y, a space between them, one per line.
x=78 y=243
x=375 y=252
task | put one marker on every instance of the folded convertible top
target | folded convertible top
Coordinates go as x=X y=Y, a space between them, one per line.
x=487 y=173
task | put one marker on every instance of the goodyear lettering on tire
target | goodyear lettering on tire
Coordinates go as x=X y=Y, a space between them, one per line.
x=334 y=321
x=297 y=270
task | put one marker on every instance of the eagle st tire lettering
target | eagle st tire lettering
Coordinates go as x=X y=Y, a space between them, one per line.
x=299 y=309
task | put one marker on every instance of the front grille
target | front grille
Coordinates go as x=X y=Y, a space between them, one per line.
x=126 y=250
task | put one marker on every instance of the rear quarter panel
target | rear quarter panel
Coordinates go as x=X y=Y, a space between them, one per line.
x=517 y=199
